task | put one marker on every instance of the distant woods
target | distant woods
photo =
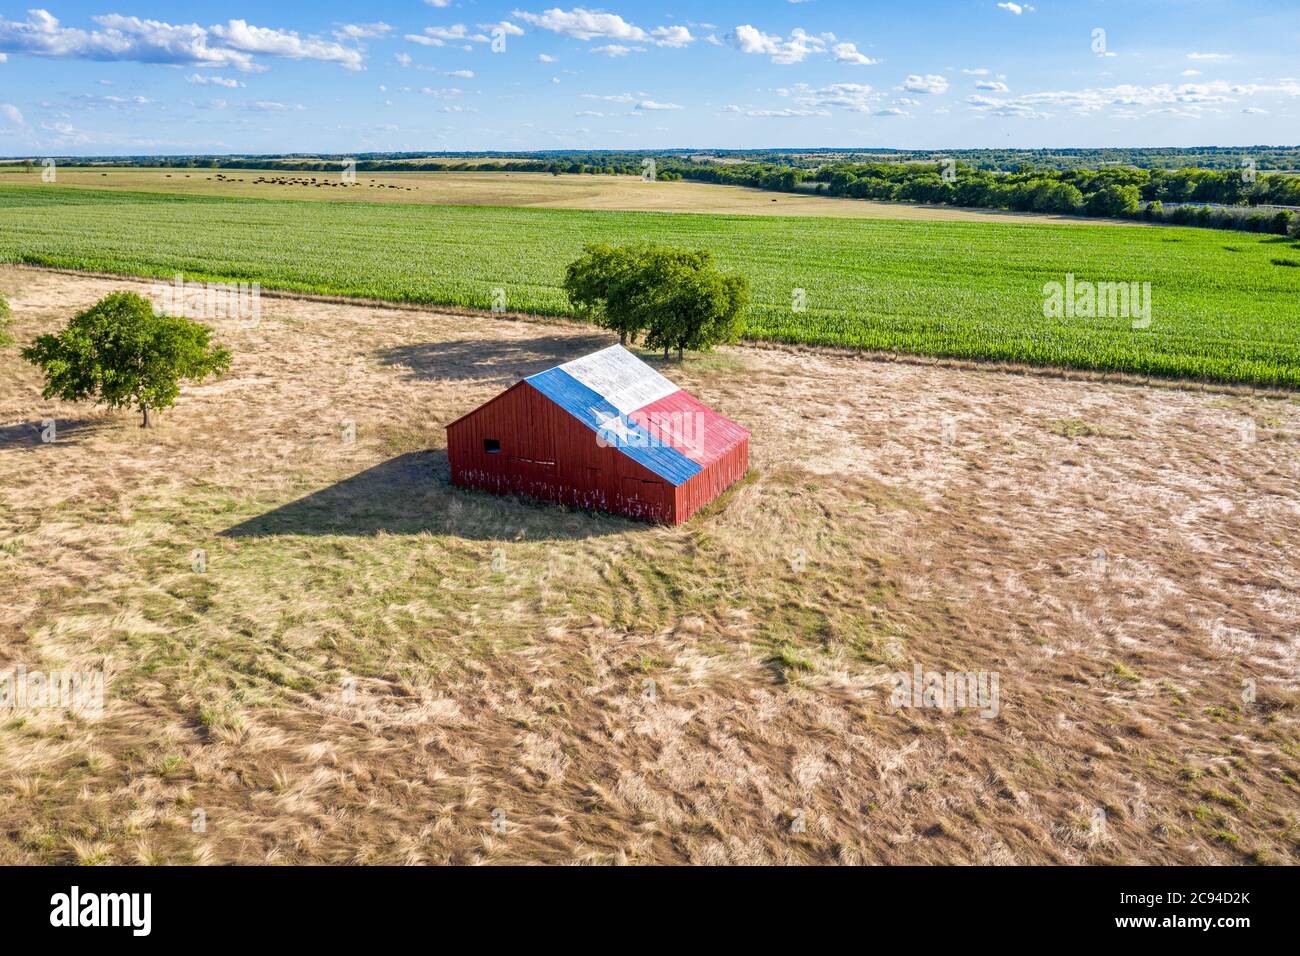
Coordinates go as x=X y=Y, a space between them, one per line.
x=1232 y=195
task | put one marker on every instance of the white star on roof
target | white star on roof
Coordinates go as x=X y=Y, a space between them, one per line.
x=614 y=424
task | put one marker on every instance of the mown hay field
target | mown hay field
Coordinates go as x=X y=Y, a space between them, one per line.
x=1225 y=306
x=467 y=188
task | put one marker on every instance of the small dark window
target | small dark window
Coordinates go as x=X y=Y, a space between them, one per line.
x=491 y=446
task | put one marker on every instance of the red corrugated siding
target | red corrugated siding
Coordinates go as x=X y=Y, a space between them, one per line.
x=717 y=477
x=547 y=454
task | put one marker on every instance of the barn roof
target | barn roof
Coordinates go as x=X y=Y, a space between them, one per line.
x=635 y=409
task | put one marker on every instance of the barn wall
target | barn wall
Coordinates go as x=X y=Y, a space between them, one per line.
x=724 y=471
x=547 y=454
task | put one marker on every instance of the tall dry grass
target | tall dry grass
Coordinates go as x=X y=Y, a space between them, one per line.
x=354 y=679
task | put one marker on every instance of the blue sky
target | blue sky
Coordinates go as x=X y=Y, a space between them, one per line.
x=127 y=76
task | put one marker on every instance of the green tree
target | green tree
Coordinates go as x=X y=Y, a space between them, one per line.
x=676 y=297
x=1057 y=197
x=599 y=284
x=119 y=353
x=1114 y=201
x=687 y=303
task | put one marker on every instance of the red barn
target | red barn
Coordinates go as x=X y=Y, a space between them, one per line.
x=604 y=432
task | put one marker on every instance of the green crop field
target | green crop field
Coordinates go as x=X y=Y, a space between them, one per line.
x=1226 y=306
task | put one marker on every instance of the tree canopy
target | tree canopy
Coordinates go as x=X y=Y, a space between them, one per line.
x=1008 y=181
x=121 y=354
x=676 y=298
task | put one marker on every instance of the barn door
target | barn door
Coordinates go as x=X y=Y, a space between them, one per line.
x=642 y=496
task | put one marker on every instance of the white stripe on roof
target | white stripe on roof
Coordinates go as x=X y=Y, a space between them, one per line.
x=620 y=378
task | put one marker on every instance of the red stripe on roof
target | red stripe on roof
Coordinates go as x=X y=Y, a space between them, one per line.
x=690 y=426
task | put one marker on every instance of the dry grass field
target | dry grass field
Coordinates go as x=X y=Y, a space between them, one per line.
x=376 y=667
x=512 y=189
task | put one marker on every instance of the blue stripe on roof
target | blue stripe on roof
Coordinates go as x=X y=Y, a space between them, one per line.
x=593 y=411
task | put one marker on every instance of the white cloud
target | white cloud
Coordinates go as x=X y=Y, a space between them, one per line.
x=438 y=3
x=68 y=134
x=672 y=36
x=241 y=35
x=440 y=36
x=930 y=83
x=652 y=105
x=204 y=80
x=123 y=38
x=155 y=41
x=361 y=31
x=978 y=71
x=1209 y=56
x=12 y=114
x=795 y=48
x=547 y=58
x=403 y=59
x=460 y=34
x=583 y=24
x=1254 y=110
x=1190 y=72
x=750 y=39
x=616 y=49
x=792 y=49
x=993 y=86
x=848 y=53
x=780 y=114
x=461 y=74
x=1015 y=108
x=854 y=97
x=1016 y=8
x=119 y=102
x=1185 y=99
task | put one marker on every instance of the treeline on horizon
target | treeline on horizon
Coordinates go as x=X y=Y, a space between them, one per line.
x=1232 y=196
x=1266 y=158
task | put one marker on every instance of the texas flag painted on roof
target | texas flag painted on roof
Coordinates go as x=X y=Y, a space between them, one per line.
x=633 y=408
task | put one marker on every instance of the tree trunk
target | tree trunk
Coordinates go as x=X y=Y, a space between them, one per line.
x=665 y=353
x=148 y=416
x=679 y=355
x=622 y=337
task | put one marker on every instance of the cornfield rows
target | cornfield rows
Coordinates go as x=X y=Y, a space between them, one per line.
x=1224 y=305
